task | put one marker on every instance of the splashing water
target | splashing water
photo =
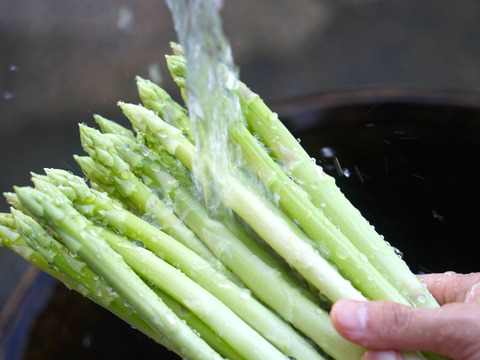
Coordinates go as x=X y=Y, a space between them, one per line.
x=211 y=79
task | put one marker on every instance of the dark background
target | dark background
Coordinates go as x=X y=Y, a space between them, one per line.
x=61 y=61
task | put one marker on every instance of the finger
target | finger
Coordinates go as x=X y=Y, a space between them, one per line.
x=452 y=330
x=452 y=287
x=381 y=355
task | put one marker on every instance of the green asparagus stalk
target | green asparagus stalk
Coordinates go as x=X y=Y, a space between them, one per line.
x=100 y=180
x=176 y=65
x=158 y=100
x=24 y=236
x=12 y=199
x=100 y=175
x=11 y=239
x=174 y=141
x=414 y=355
x=76 y=189
x=131 y=188
x=148 y=148
x=200 y=327
x=154 y=171
x=6 y=219
x=82 y=238
x=109 y=126
x=151 y=149
x=264 y=218
x=246 y=341
x=261 y=274
x=202 y=272
x=56 y=260
x=326 y=195
x=176 y=284
x=335 y=245
x=77 y=275
x=298 y=165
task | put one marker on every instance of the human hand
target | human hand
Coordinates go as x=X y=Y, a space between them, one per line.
x=453 y=329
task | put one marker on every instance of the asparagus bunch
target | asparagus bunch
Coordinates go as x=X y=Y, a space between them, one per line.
x=137 y=238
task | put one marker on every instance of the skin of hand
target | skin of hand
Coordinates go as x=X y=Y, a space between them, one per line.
x=452 y=330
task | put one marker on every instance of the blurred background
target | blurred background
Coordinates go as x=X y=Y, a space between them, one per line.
x=63 y=60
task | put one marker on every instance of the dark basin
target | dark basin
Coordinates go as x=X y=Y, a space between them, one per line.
x=409 y=159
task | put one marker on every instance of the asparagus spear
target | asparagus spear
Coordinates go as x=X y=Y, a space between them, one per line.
x=83 y=238
x=151 y=149
x=202 y=272
x=158 y=100
x=77 y=275
x=326 y=195
x=335 y=245
x=264 y=218
x=246 y=341
x=388 y=293
x=49 y=255
x=6 y=219
x=25 y=237
x=109 y=126
x=176 y=65
x=130 y=187
x=157 y=173
x=11 y=239
x=179 y=286
x=259 y=272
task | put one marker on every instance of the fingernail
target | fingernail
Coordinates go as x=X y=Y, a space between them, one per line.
x=388 y=355
x=353 y=315
x=382 y=355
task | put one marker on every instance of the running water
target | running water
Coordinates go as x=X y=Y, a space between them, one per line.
x=211 y=79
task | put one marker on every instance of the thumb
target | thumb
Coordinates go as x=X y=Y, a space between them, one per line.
x=452 y=330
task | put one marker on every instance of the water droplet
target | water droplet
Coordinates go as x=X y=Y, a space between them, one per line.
x=14 y=67
x=8 y=95
x=94 y=232
x=437 y=216
x=171 y=318
x=245 y=294
x=87 y=340
x=327 y=152
x=421 y=298
x=225 y=285
x=398 y=252
x=125 y=17
x=155 y=73
x=341 y=254
x=273 y=116
x=139 y=243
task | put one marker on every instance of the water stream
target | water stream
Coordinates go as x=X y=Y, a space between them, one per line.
x=211 y=79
